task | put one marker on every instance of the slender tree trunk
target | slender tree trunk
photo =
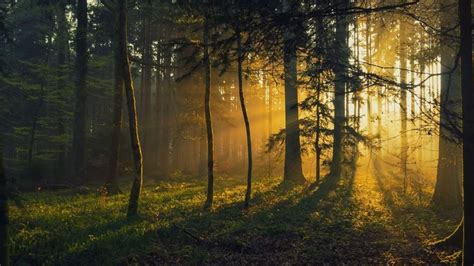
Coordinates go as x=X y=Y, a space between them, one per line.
x=318 y=133
x=403 y=102
x=270 y=125
x=79 y=130
x=111 y=183
x=207 y=110
x=467 y=79
x=246 y=120
x=293 y=171
x=4 y=249
x=368 y=46
x=132 y=111
x=340 y=70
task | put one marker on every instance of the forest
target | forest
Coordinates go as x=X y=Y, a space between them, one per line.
x=236 y=131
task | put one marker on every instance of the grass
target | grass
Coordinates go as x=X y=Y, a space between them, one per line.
x=351 y=220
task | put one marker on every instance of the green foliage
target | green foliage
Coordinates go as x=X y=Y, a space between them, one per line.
x=340 y=221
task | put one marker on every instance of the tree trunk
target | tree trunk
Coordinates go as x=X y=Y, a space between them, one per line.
x=146 y=99
x=447 y=194
x=62 y=52
x=111 y=183
x=246 y=120
x=467 y=79
x=403 y=102
x=340 y=70
x=293 y=171
x=318 y=133
x=132 y=111
x=4 y=250
x=79 y=130
x=207 y=110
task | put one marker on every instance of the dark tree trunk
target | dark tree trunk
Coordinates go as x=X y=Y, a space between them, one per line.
x=62 y=52
x=146 y=93
x=317 y=142
x=340 y=70
x=132 y=111
x=207 y=110
x=293 y=171
x=246 y=120
x=4 y=250
x=467 y=79
x=111 y=182
x=79 y=130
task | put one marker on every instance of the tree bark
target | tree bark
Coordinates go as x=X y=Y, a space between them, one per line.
x=293 y=171
x=467 y=79
x=62 y=52
x=146 y=93
x=79 y=130
x=403 y=102
x=340 y=70
x=246 y=120
x=4 y=249
x=111 y=183
x=207 y=110
x=447 y=194
x=132 y=111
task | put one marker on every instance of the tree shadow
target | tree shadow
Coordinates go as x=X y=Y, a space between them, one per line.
x=277 y=228
x=415 y=221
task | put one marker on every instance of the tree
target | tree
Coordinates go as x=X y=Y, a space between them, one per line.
x=79 y=130
x=467 y=79
x=207 y=111
x=447 y=194
x=111 y=184
x=293 y=171
x=4 y=249
x=403 y=100
x=240 y=58
x=132 y=110
x=340 y=72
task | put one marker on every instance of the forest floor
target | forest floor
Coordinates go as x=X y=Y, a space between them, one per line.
x=363 y=217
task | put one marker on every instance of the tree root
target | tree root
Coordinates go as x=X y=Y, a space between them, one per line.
x=453 y=240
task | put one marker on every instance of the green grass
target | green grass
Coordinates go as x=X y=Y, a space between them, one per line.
x=332 y=223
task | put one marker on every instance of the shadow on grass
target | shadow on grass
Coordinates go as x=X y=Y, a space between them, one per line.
x=414 y=220
x=284 y=224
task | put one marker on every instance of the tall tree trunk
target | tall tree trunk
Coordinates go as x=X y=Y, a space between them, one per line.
x=340 y=70
x=146 y=99
x=447 y=194
x=4 y=249
x=467 y=79
x=62 y=52
x=246 y=120
x=111 y=183
x=403 y=101
x=317 y=142
x=293 y=171
x=132 y=111
x=368 y=47
x=79 y=130
x=207 y=110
